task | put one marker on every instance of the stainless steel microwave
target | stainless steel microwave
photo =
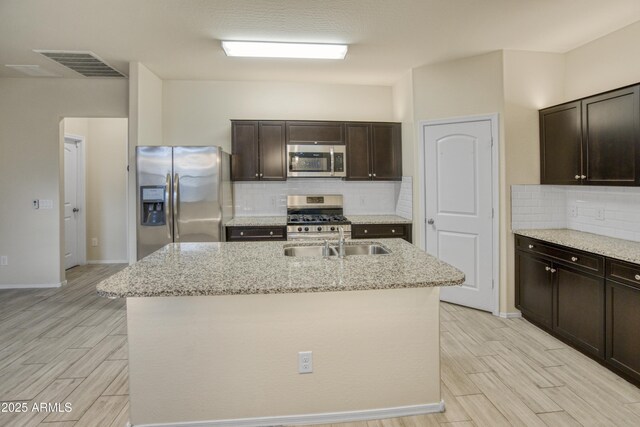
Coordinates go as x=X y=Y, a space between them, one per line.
x=316 y=161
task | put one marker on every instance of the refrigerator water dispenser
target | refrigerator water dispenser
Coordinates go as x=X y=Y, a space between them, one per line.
x=152 y=198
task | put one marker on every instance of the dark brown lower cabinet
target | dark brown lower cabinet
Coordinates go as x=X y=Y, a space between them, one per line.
x=579 y=308
x=256 y=234
x=381 y=231
x=534 y=290
x=586 y=300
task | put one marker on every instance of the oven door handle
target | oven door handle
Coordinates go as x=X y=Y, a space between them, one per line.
x=332 y=162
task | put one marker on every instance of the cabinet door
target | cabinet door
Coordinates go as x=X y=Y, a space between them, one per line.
x=358 y=136
x=386 y=151
x=330 y=133
x=273 y=156
x=622 y=326
x=244 y=151
x=579 y=309
x=534 y=292
x=611 y=133
x=561 y=144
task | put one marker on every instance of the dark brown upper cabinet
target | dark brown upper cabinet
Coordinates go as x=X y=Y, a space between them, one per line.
x=374 y=151
x=312 y=132
x=561 y=144
x=592 y=141
x=258 y=151
x=611 y=136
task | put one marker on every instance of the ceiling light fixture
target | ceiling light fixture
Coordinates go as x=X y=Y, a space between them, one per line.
x=284 y=50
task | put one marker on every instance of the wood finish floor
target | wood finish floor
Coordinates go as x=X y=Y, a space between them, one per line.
x=68 y=345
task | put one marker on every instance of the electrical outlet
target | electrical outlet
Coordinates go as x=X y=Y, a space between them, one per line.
x=305 y=362
x=573 y=211
x=4 y=260
x=94 y=242
x=600 y=214
x=36 y=204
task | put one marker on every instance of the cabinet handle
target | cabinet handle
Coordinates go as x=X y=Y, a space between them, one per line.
x=574 y=258
x=366 y=231
x=374 y=174
x=260 y=175
x=577 y=176
x=393 y=231
x=547 y=268
x=531 y=246
x=257 y=175
x=242 y=233
x=638 y=277
x=315 y=142
x=553 y=270
x=583 y=176
x=271 y=233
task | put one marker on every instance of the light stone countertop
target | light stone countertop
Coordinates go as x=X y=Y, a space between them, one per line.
x=242 y=268
x=258 y=221
x=625 y=250
x=279 y=221
x=378 y=219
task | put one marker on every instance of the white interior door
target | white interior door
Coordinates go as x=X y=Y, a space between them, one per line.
x=71 y=208
x=458 y=205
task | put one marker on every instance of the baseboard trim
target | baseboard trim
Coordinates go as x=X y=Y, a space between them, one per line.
x=34 y=285
x=510 y=315
x=307 y=419
x=108 y=261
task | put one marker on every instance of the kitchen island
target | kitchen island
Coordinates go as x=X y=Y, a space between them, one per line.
x=215 y=330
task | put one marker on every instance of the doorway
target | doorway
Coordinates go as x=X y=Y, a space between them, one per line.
x=74 y=229
x=94 y=221
x=459 y=203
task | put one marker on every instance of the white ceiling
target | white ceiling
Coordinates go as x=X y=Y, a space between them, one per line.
x=180 y=39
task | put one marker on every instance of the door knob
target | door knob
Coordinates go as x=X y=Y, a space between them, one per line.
x=431 y=221
x=76 y=210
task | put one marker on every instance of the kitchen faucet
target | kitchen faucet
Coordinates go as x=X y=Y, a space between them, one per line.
x=341 y=242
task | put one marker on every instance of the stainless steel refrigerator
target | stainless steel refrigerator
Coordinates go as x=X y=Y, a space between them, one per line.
x=184 y=195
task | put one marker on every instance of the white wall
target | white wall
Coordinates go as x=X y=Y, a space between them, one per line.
x=31 y=111
x=606 y=63
x=198 y=112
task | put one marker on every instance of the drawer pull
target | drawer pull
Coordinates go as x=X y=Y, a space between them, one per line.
x=547 y=268
x=271 y=233
x=553 y=270
x=242 y=233
x=366 y=231
x=393 y=231
x=531 y=246
x=577 y=176
x=574 y=258
x=638 y=277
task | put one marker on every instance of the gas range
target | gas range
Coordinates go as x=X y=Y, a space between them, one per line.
x=316 y=217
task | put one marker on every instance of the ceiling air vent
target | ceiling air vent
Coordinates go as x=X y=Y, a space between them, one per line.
x=85 y=63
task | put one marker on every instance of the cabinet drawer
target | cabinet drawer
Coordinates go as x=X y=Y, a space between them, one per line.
x=624 y=272
x=315 y=133
x=590 y=262
x=361 y=231
x=256 y=233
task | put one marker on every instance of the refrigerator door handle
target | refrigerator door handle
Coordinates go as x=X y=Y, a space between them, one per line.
x=176 y=204
x=168 y=218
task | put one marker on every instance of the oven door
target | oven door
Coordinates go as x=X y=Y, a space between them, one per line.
x=315 y=161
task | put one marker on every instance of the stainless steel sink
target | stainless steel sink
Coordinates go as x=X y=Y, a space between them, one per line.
x=308 y=251
x=349 y=249
x=367 y=249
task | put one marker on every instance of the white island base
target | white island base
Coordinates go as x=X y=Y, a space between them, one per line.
x=233 y=360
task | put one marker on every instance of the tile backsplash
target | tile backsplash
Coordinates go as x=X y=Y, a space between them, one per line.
x=360 y=198
x=609 y=211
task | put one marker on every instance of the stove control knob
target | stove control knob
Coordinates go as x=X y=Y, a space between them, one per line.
x=333 y=229
x=306 y=229
x=299 y=228
x=319 y=228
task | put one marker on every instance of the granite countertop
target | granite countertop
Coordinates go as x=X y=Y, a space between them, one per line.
x=253 y=221
x=241 y=268
x=625 y=250
x=266 y=221
x=378 y=219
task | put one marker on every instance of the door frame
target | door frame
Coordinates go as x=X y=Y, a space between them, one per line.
x=81 y=197
x=495 y=178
